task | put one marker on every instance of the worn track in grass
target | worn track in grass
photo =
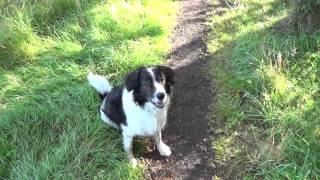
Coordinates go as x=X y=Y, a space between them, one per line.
x=187 y=131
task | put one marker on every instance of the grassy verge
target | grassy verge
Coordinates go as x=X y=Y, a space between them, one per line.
x=49 y=123
x=268 y=91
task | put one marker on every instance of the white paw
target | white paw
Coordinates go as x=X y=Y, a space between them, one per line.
x=133 y=162
x=164 y=150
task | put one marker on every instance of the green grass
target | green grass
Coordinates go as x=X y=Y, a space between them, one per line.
x=49 y=123
x=268 y=91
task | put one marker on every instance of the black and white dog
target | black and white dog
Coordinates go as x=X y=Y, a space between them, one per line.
x=139 y=107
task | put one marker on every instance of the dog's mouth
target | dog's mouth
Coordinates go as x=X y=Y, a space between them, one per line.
x=159 y=105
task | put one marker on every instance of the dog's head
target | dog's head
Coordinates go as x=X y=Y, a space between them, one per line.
x=151 y=84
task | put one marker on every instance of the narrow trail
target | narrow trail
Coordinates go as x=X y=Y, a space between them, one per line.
x=187 y=131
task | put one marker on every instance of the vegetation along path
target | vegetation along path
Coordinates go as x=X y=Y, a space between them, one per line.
x=187 y=131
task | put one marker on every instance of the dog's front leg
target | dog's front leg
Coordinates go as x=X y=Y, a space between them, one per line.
x=163 y=149
x=127 y=146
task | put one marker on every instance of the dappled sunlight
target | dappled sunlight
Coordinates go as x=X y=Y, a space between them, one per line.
x=9 y=89
x=316 y=132
x=242 y=20
x=67 y=48
x=95 y=27
x=225 y=149
x=267 y=80
x=278 y=80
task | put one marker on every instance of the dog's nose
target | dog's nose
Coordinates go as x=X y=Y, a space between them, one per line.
x=160 y=96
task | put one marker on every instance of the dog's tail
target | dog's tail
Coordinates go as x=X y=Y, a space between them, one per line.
x=100 y=83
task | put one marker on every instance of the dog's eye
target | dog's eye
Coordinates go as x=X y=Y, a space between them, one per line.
x=146 y=83
x=161 y=80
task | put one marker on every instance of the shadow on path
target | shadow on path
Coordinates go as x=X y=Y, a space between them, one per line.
x=187 y=131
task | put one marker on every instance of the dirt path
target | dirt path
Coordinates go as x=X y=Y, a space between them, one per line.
x=187 y=132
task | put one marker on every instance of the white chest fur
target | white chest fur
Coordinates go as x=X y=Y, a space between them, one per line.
x=142 y=121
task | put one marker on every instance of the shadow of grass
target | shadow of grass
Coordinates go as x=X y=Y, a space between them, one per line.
x=304 y=18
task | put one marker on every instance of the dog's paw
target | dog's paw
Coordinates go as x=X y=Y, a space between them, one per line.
x=133 y=162
x=164 y=150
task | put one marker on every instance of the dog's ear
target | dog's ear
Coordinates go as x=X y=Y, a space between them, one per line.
x=132 y=80
x=168 y=72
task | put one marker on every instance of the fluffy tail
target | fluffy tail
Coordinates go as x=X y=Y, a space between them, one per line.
x=100 y=83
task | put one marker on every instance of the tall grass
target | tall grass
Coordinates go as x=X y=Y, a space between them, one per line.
x=48 y=114
x=306 y=16
x=268 y=91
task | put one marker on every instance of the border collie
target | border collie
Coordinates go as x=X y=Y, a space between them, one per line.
x=139 y=107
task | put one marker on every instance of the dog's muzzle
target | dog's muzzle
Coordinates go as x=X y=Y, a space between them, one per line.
x=158 y=105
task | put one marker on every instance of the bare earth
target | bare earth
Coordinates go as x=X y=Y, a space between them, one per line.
x=187 y=131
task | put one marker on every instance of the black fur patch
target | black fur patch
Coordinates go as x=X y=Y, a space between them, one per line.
x=140 y=81
x=102 y=96
x=113 y=106
x=160 y=71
